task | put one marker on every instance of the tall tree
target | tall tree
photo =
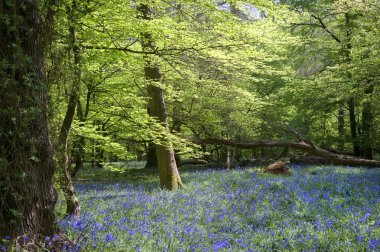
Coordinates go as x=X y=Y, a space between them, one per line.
x=72 y=203
x=347 y=48
x=167 y=166
x=27 y=195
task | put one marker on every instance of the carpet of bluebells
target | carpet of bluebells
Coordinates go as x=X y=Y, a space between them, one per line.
x=336 y=209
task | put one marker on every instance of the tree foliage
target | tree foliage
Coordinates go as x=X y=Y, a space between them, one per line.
x=232 y=69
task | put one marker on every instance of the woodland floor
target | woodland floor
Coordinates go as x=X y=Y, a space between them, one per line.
x=318 y=208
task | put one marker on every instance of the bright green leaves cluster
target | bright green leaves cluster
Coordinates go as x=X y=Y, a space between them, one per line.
x=227 y=70
x=336 y=60
x=219 y=70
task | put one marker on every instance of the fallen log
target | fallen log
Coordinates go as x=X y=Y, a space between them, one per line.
x=307 y=146
x=309 y=160
x=193 y=162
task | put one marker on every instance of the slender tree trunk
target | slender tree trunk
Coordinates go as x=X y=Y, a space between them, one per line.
x=167 y=166
x=78 y=151
x=27 y=196
x=351 y=100
x=218 y=154
x=367 y=121
x=222 y=157
x=341 y=141
x=99 y=151
x=228 y=161
x=93 y=153
x=151 y=157
x=78 y=157
x=176 y=126
x=353 y=127
x=72 y=203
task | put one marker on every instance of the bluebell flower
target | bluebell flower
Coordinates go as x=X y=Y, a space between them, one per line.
x=218 y=245
x=365 y=217
x=110 y=237
x=98 y=225
x=374 y=243
x=64 y=247
x=79 y=225
x=360 y=238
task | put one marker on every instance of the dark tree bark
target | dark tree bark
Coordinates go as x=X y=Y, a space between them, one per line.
x=341 y=113
x=353 y=128
x=334 y=158
x=72 y=203
x=27 y=196
x=167 y=166
x=228 y=161
x=151 y=157
x=367 y=121
x=351 y=101
x=78 y=156
x=176 y=128
x=80 y=142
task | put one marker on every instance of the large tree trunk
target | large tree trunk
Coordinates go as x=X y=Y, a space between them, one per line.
x=27 y=196
x=334 y=158
x=167 y=166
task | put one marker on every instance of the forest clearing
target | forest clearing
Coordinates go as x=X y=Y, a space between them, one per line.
x=189 y=125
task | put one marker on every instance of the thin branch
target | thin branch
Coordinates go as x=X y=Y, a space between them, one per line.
x=326 y=29
x=143 y=92
x=306 y=24
x=123 y=49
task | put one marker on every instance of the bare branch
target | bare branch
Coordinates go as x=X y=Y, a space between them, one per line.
x=326 y=29
x=123 y=49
